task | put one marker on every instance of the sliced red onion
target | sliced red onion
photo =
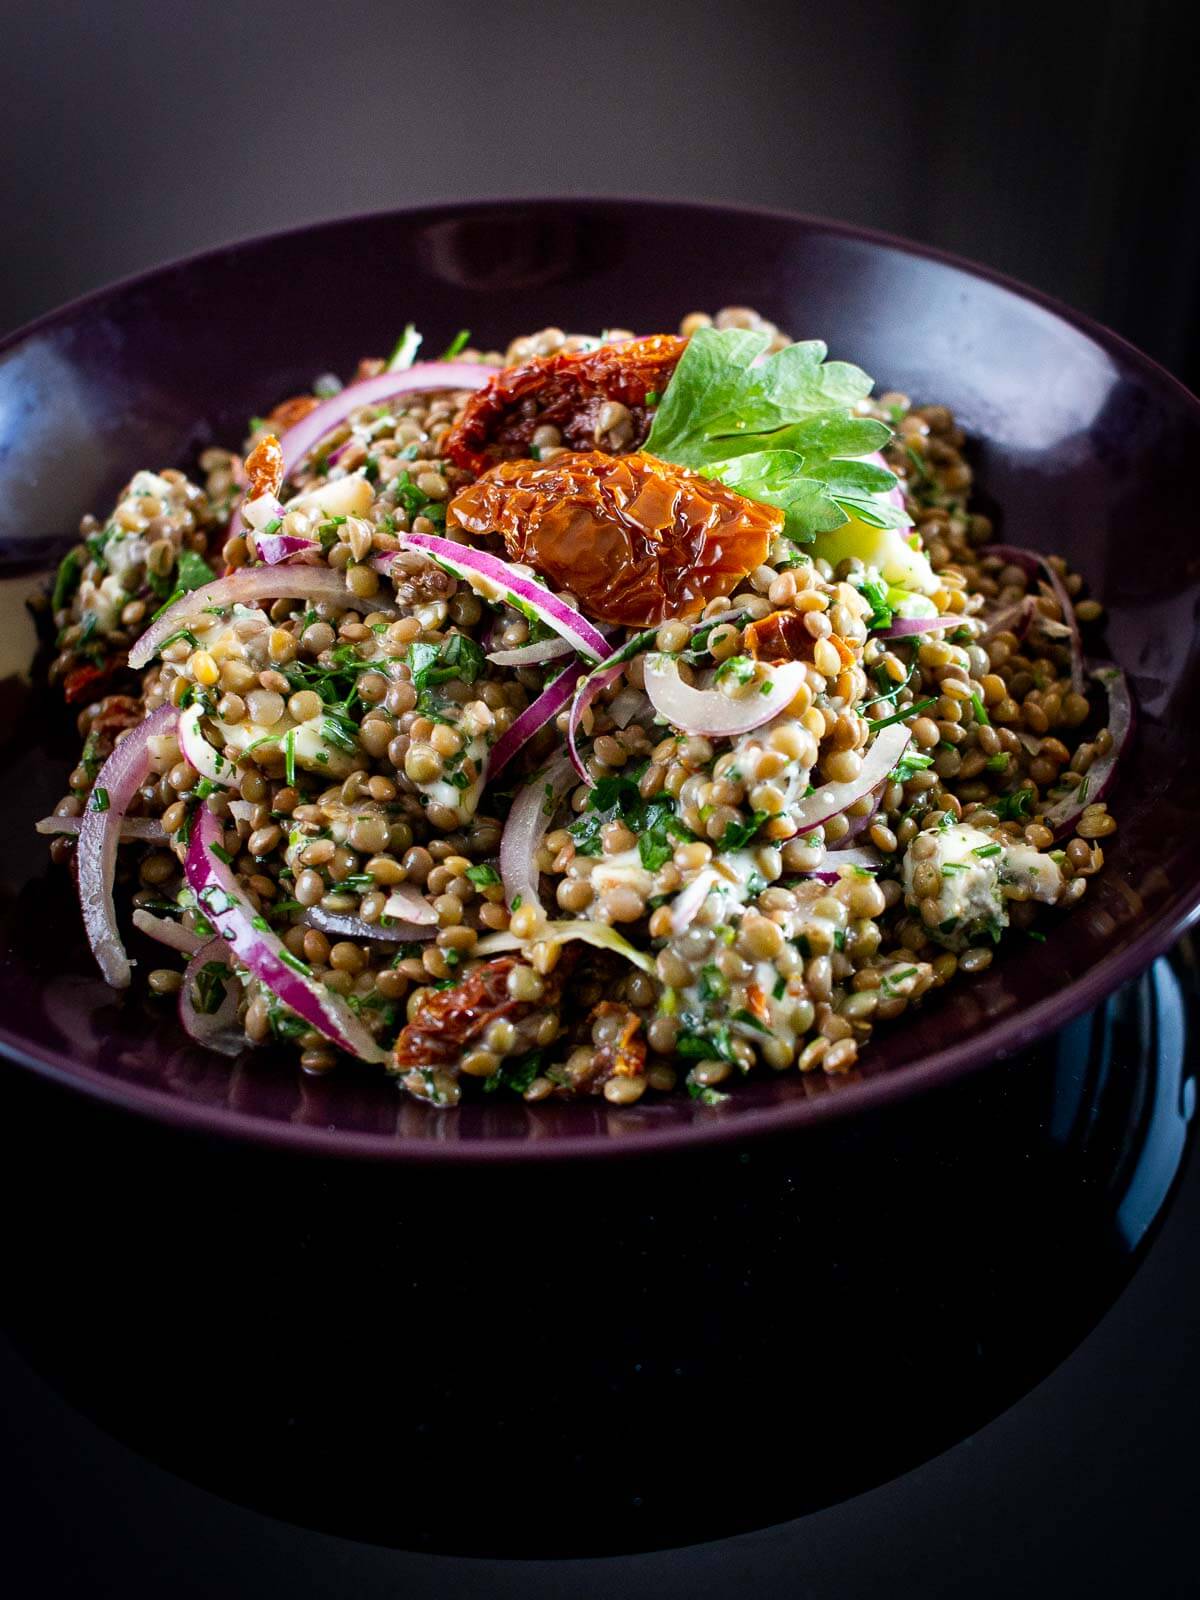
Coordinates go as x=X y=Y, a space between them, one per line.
x=344 y=927
x=597 y=934
x=296 y=443
x=599 y=679
x=147 y=829
x=215 y=1030
x=409 y=905
x=167 y=931
x=833 y=798
x=908 y=627
x=855 y=825
x=247 y=586
x=594 y=684
x=1029 y=561
x=222 y=899
x=528 y=655
x=496 y=580
x=527 y=824
x=1012 y=619
x=547 y=705
x=118 y=780
x=276 y=548
x=843 y=861
x=1062 y=816
x=712 y=713
x=197 y=751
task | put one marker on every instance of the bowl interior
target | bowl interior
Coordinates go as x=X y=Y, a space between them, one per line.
x=1080 y=446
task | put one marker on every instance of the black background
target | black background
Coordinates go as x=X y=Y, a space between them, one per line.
x=1055 y=142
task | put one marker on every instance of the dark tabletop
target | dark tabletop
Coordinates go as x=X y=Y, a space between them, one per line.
x=593 y=1360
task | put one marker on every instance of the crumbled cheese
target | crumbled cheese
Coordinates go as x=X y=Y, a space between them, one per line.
x=977 y=879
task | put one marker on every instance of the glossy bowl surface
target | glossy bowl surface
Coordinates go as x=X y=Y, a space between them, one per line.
x=1081 y=445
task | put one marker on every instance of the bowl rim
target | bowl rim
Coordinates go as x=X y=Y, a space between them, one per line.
x=954 y=1061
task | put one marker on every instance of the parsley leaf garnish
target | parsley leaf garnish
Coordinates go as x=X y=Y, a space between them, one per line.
x=779 y=432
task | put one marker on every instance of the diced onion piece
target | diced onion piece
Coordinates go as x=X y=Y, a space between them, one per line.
x=832 y=798
x=495 y=580
x=274 y=548
x=222 y=899
x=259 y=513
x=527 y=824
x=598 y=934
x=410 y=905
x=119 y=780
x=197 y=751
x=215 y=1030
x=247 y=586
x=535 y=716
x=712 y=713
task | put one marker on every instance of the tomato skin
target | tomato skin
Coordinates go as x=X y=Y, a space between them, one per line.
x=781 y=636
x=81 y=681
x=264 y=468
x=447 y=1021
x=567 y=390
x=635 y=539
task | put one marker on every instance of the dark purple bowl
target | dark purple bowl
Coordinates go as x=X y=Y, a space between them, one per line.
x=1081 y=445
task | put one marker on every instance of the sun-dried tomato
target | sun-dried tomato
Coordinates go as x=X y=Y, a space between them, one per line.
x=624 y=1056
x=568 y=391
x=635 y=539
x=82 y=681
x=447 y=1020
x=264 y=468
x=289 y=412
x=781 y=636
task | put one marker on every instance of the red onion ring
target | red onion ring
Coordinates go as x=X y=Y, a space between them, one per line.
x=247 y=586
x=216 y=1030
x=1029 y=561
x=528 y=822
x=345 y=927
x=1063 y=814
x=712 y=713
x=167 y=931
x=534 y=717
x=833 y=798
x=149 y=830
x=221 y=897
x=908 y=627
x=474 y=565
x=296 y=443
x=528 y=655
x=120 y=778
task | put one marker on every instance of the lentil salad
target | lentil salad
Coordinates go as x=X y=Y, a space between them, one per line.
x=611 y=715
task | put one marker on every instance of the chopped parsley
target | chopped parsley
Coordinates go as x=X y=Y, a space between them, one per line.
x=913 y=710
x=483 y=876
x=517 y=1074
x=1013 y=807
x=210 y=986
